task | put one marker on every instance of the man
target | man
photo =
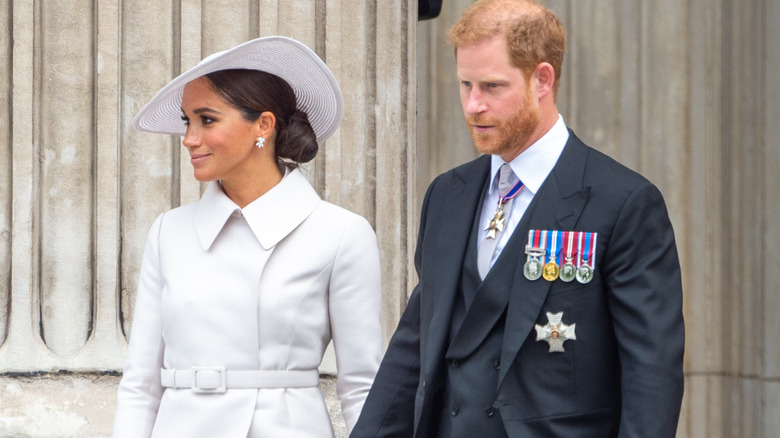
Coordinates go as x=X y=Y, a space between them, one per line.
x=549 y=302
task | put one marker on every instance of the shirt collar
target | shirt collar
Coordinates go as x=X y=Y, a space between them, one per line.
x=271 y=217
x=534 y=164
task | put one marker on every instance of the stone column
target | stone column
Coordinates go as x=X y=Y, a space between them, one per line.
x=769 y=114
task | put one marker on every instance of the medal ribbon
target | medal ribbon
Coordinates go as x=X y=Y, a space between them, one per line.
x=592 y=252
x=587 y=249
x=564 y=245
x=510 y=194
x=551 y=246
x=584 y=249
x=568 y=239
x=496 y=225
x=559 y=248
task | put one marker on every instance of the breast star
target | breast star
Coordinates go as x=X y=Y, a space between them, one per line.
x=555 y=332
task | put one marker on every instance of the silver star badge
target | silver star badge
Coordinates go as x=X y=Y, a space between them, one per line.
x=555 y=332
x=496 y=224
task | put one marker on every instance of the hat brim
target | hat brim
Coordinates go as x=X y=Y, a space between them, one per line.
x=317 y=92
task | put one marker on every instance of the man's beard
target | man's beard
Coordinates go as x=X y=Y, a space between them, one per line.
x=507 y=136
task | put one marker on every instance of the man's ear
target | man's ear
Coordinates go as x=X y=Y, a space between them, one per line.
x=544 y=76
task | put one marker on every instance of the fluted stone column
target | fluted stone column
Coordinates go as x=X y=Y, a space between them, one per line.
x=79 y=187
x=769 y=299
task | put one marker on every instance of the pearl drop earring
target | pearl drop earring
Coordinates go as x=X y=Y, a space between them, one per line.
x=260 y=142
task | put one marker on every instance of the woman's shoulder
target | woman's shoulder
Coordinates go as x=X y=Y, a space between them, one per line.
x=337 y=216
x=182 y=213
x=331 y=222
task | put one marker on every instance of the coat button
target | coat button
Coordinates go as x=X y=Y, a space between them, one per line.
x=497 y=364
x=455 y=363
x=454 y=411
x=490 y=411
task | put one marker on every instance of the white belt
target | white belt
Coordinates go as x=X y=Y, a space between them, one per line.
x=218 y=380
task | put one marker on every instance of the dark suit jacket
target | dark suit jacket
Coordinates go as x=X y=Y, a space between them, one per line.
x=622 y=376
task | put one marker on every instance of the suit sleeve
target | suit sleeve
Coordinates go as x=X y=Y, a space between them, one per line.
x=139 y=392
x=390 y=407
x=643 y=280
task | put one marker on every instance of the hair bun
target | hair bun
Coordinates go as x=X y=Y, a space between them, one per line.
x=296 y=141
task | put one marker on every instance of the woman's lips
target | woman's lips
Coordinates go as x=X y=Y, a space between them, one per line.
x=198 y=158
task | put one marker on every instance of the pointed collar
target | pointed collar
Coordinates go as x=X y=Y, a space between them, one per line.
x=271 y=217
x=534 y=164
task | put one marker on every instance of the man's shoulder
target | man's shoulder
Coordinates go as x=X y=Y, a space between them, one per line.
x=474 y=170
x=601 y=168
x=466 y=180
x=609 y=182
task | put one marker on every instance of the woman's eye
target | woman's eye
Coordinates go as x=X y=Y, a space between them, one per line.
x=186 y=120
x=206 y=120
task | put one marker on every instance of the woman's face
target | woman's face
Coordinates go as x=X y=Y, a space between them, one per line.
x=220 y=141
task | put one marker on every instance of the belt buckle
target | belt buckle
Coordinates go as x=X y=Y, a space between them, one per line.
x=208 y=380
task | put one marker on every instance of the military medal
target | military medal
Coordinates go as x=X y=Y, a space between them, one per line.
x=533 y=268
x=584 y=274
x=568 y=270
x=570 y=255
x=587 y=259
x=550 y=270
x=535 y=251
x=555 y=332
x=496 y=224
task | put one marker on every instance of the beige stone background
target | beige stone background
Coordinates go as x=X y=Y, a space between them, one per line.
x=685 y=92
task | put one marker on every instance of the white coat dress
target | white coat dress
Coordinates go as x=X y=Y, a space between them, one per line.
x=266 y=288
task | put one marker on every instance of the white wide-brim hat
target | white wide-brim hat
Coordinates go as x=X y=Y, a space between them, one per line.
x=316 y=90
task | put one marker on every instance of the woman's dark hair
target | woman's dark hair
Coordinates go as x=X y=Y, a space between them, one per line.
x=253 y=92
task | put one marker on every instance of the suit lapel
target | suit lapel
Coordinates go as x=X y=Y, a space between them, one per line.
x=557 y=206
x=442 y=272
x=491 y=299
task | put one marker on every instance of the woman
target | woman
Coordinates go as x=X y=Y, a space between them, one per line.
x=240 y=292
